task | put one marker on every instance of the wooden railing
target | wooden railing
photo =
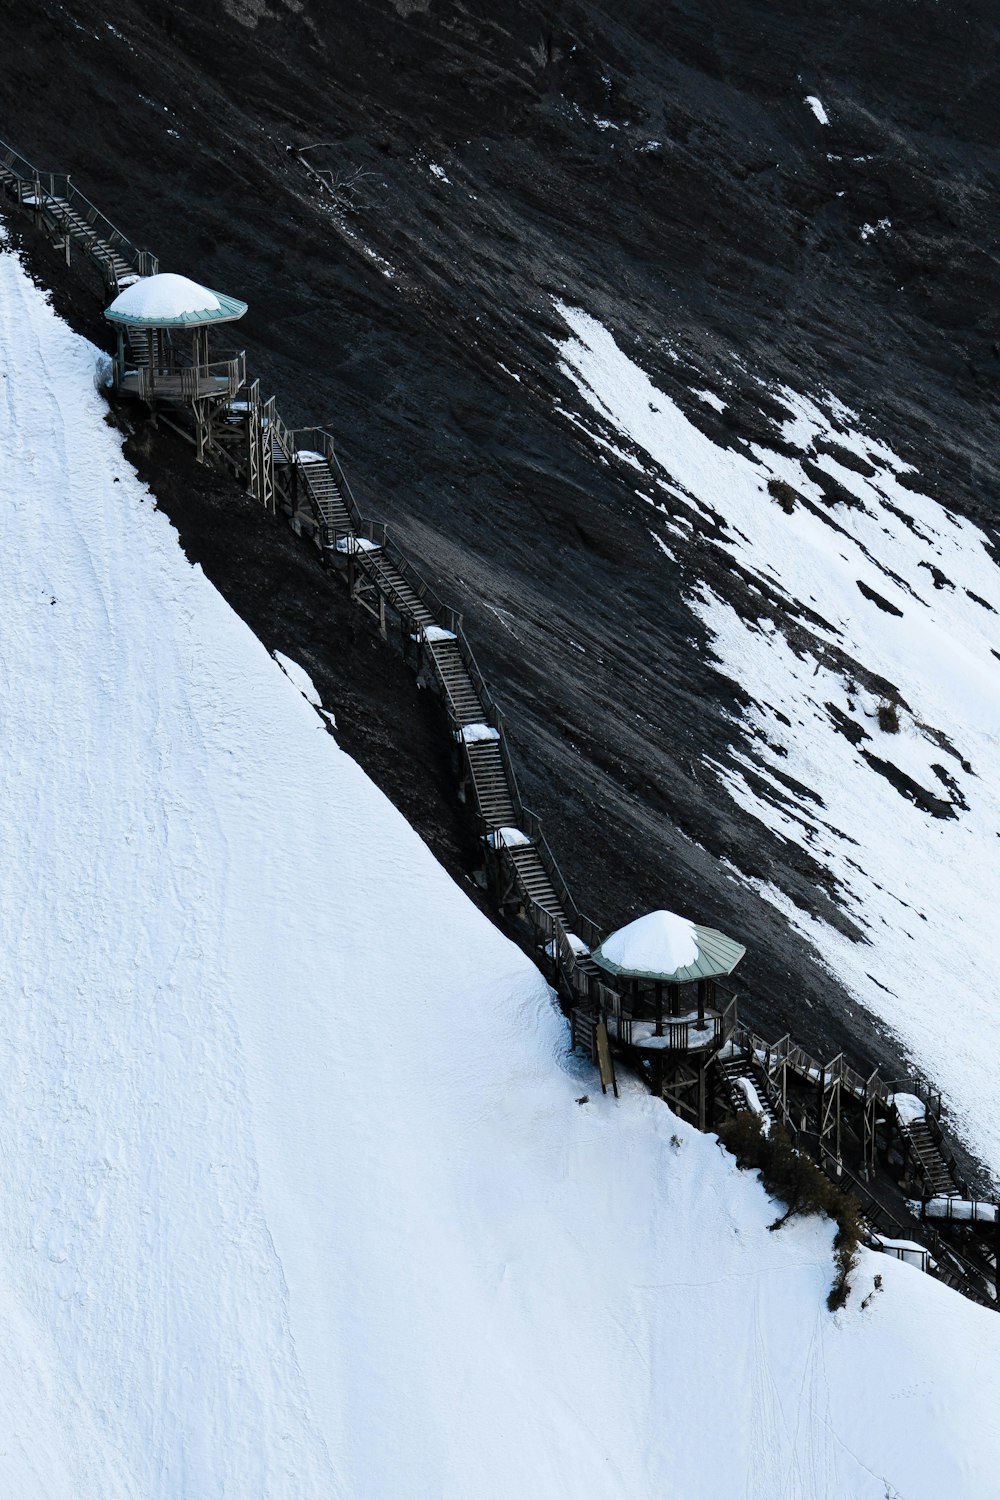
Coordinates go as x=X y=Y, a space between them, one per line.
x=532 y=825
x=281 y=434
x=785 y=1053
x=12 y=161
x=222 y=378
x=681 y=1036
x=54 y=192
x=961 y=1210
x=947 y=1155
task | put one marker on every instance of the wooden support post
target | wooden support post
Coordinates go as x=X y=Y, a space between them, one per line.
x=201 y=429
x=783 y=1068
x=605 y=1062
x=829 y=1109
x=268 y=492
x=254 y=441
x=869 y=1124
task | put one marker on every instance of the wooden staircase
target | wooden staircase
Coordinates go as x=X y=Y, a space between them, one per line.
x=118 y=272
x=463 y=700
x=935 y=1176
x=533 y=879
x=394 y=587
x=524 y=857
x=492 y=788
x=325 y=498
x=740 y=1075
x=138 y=345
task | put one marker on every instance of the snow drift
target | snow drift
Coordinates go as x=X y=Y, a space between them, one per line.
x=297 y=1198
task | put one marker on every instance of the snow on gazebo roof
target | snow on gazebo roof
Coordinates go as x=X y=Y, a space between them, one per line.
x=171 y=301
x=669 y=949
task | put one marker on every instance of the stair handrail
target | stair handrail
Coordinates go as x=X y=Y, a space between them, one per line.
x=50 y=187
x=11 y=160
x=545 y=924
x=443 y=613
x=947 y=1155
x=496 y=720
x=485 y=826
x=282 y=433
x=532 y=826
x=232 y=371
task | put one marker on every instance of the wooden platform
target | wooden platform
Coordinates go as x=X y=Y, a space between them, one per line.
x=182 y=385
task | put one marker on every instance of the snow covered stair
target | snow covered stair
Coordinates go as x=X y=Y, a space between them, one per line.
x=748 y=1095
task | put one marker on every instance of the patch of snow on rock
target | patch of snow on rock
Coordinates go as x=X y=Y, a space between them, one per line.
x=900 y=859
x=710 y=399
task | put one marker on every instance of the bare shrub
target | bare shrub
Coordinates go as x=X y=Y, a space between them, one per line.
x=888 y=716
x=781 y=490
x=790 y=1175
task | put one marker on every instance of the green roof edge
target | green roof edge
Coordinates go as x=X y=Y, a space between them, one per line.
x=718 y=956
x=230 y=309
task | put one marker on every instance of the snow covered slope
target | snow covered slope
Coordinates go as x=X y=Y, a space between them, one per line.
x=862 y=594
x=296 y=1199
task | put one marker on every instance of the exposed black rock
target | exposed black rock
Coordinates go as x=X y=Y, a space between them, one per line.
x=653 y=164
x=884 y=604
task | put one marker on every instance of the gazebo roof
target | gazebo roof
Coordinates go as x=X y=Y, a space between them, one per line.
x=171 y=301
x=668 y=949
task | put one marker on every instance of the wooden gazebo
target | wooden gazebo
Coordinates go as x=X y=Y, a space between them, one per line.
x=665 y=967
x=163 y=325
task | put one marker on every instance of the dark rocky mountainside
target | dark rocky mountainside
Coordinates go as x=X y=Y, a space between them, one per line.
x=654 y=164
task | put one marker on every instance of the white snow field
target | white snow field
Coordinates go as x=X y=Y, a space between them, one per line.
x=924 y=890
x=296 y=1196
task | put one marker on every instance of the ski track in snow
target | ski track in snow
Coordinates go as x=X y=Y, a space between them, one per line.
x=924 y=890
x=295 y=1196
